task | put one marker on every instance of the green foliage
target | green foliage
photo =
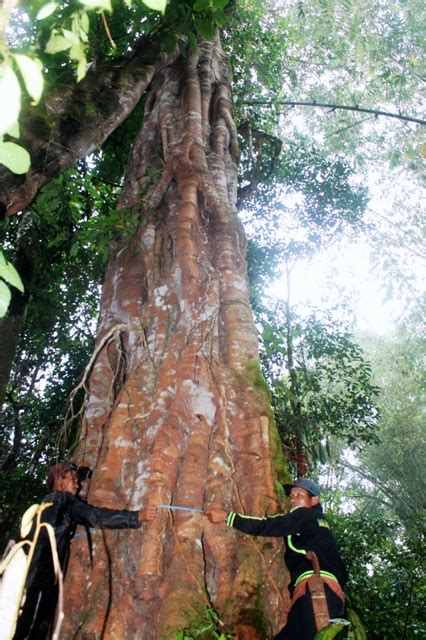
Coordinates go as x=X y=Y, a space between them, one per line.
x=386 y=573
x=263 y=264
x=331 y=630
x=255 y=37
x=337 y=53
x=8 y=274
x=377 y=513
x=394 y=465
x=207 y=627
x=320 y=379
x=321 y=383
x=56 y=342
x=14 y=157
x=65 y=37
x=309 y=202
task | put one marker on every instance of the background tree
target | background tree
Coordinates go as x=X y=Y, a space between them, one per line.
x=390 y=469
x=386 y=573
x=376 y=495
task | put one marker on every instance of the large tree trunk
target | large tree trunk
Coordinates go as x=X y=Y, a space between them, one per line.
x=177 y=410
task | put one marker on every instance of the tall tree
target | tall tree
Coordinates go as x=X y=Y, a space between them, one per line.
x=176 y=408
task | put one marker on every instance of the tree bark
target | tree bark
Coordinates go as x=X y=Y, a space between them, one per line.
x=177 y=410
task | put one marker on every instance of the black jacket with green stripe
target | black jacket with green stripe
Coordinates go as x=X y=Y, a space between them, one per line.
x=303 y=529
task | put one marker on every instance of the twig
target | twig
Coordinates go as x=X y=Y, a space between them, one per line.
x=108 y=32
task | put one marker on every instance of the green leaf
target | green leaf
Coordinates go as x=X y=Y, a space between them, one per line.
x=57 y=43
x=205 y=28
x=81 y=68
x=14 y=157
x=219 y=17
x=14 y=130
x=9 y=273
x=330 y=631
x=71 y=37
x=85 y=22
x=202 y=5
x=74 y=249
x=156 y=5
x=357 y=625
x=192 y=41
x=219 y=4
x=32 y=75
x=97 y=5
x=168 y=43
x=77 y=52
x=5 y=297
x=46 y=10
x=10 y=98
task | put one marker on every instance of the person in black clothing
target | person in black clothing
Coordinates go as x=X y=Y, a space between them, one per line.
x=304 y=529
x=65 y=512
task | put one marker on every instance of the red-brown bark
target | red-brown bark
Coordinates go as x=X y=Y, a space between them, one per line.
x=176 y=412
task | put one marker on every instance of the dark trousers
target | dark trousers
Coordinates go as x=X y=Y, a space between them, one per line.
x=301 y=620
x=36 y=619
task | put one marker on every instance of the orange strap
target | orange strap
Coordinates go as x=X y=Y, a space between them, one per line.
x=300 y=589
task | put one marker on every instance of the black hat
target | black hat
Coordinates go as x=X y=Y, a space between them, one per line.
x=304 y=483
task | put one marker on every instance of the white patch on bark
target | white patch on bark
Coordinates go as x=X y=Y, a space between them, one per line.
x=219 y=465
x=240 y=284
x=152 y=431
x=264 y=422
x=140 y=416
x=148 y=237
x=96 y=408
x=140 y=485
x=159 y=293
x=233 y=410
x=201 y=400
x=121 y=442
x=208 y=312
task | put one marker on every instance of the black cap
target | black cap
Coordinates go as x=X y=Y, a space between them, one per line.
x=304 y=483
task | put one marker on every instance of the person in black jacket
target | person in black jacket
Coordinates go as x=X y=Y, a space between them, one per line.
x=304 y=529
x=64 y=513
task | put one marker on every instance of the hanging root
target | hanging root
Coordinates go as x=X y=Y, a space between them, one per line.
x=70 y=415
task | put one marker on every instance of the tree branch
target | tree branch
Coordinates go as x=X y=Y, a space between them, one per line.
x=263 y=164
x=75 y=119
x=324 y=105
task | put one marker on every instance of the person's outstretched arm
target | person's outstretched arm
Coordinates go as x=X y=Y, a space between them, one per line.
x=277 y=525
x=87 y=514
